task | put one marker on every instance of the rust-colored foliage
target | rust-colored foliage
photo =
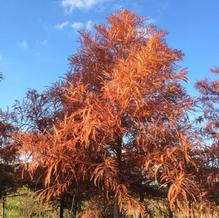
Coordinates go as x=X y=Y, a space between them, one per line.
x=121 y=127
x=209 y=166
x=7 y=153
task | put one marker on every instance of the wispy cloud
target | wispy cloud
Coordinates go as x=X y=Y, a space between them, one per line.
x=61 y=25
x=24 y=44
x=70 y=5
x=80 y=25
x=77 y=25
x=1 y=57
x=89 y=25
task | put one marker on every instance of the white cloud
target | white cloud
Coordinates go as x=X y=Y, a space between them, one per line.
x=79 y=25
x=70 y=5
x=61 y=25
x=1 y=57
x=24 y=44
x=89 y=25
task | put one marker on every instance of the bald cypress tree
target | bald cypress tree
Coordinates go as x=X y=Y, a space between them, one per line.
x=123 y=128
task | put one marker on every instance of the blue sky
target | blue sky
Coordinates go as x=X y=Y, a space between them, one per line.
x=38 y=36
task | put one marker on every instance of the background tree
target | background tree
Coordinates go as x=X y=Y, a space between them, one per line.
x=7 y=153
x=209 y=166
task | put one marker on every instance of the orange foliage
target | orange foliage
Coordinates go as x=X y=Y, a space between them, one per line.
x=209 y=167
x=122 y=122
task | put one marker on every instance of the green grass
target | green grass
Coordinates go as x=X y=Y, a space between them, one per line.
x=25 y=204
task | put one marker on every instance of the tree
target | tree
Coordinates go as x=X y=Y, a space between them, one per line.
x=209 y=166
x=35 y=113
x=7 y=154
x=124 y=127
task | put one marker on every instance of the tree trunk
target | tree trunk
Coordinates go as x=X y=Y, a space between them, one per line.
x=116 y=213
x=170 y=212
x=118 y=148
x=4 y=205
x=141 y=195
x=74 y=207
x=61 y=211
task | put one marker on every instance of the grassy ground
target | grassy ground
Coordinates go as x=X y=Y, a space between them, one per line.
x=24 y=204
